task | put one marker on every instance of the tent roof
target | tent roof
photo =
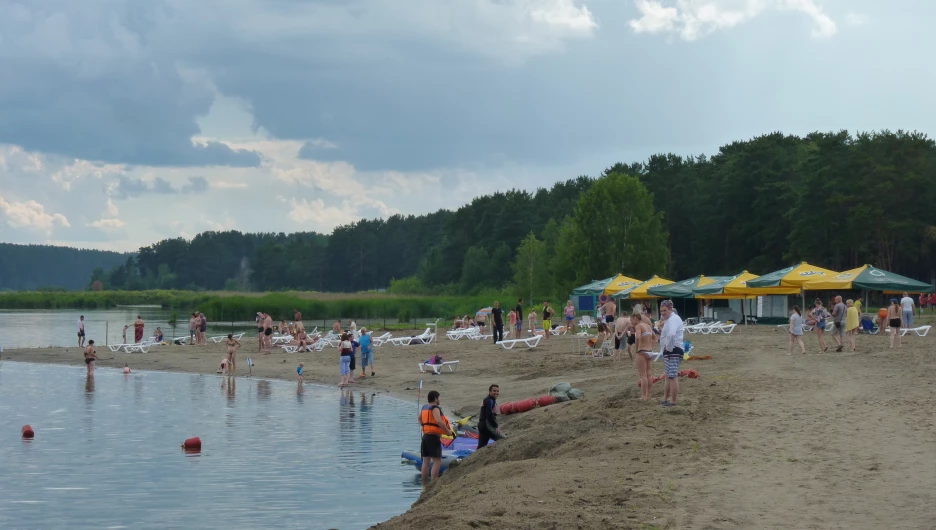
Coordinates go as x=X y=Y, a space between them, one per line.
x=593 y=288
x=794 y=276
x=737 y=287
x=620 y=283
x=684 y=288
x=870 y=278
x=639 y=292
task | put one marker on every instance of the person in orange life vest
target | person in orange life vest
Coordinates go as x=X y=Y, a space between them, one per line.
x=434 y=425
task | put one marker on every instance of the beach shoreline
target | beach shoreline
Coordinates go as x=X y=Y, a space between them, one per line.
x=761 y=439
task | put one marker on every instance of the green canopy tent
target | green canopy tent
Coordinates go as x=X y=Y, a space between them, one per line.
x=871 y=279
x=684 y=289
x=594 y=288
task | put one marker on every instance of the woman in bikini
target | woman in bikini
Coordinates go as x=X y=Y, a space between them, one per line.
x=90 y=355
x=817 y=317
x=893 y=319
x=644 y=340
x=232 y=346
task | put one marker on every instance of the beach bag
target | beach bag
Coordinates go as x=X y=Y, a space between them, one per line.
x=576 y=394
x=561 y=388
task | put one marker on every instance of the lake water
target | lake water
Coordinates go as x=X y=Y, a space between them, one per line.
x=24 y=328
x=107 y=452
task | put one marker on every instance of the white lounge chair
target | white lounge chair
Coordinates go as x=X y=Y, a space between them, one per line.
x=920 y=331
x=281 y=339
x=725 y=328
x=710 y=328
x=425 y=338
x=587 y=322
x=437 y=368
x=222 y=338
x=382 y=339
x=530 y=342
x=605 y=348
x=139 y=347
x=456 y=334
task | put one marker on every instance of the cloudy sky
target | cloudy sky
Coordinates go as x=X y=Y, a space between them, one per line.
x=127 y=121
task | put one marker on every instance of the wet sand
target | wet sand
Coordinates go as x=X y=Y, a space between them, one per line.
x=761 y=440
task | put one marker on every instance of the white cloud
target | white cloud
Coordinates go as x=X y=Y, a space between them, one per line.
x=221 y=185
x=108 y=223
x=31 y=214
x=319 y=215
x=693 y=19
x=564 y=14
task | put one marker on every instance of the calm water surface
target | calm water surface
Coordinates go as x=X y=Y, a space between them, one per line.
x=106 y=452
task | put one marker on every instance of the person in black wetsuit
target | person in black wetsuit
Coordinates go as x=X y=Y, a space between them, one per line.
x=497 y=314
x=487 y=423
x=519 y=310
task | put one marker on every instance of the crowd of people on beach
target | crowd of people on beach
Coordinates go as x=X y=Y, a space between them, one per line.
x=846 y=321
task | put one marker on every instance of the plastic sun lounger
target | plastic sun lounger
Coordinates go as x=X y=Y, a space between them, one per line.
x=220 y=338
x=606 y=348
x=282 y=339
x=382 y=339
x=920 y=331
x=587 y=322
x=529 y=342
x=478 y=336
x=726 y=328
x=437 y=368
x=140 y=347
x=456 y=334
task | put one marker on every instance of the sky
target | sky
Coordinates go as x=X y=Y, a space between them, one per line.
x=123 y=122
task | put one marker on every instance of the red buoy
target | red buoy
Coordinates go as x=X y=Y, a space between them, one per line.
x=192 y=444
x=525 y=405
x=28 y=432
x=507 y=408
x=543 y=401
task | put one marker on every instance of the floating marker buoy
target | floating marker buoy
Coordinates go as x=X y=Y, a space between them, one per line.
x=28 y=432
x=192 y=444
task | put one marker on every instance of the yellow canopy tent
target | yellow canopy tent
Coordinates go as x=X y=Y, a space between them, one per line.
x=620 y=283
x=737 y=287
x=868 y=278
x=794 y=276
x=639 y=292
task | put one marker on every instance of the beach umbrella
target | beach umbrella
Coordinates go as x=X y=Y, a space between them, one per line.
x=868 y=278
x=737 y=286
x=684 y=288
x=592 y=289
x=640 y=291
x=485 y=311
x=794 y=276
x=620 y=283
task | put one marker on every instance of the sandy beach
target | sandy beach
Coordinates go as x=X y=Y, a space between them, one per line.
x=761 y=440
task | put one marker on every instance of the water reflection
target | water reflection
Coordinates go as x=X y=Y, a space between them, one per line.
x=266 y=462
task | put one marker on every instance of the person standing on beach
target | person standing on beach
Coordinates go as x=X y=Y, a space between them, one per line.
x=622 y=336
x=138 y=329
x=796 y=330
x=838 y=316
x=434 y=426
x=497 y=315
x=232 y=347
x=487 y=421
x=90 y=355
x=344 y=363
x=259 y=320
x=299 y=372
x=610 y=311
x=819 y=316
x=81 y=333
x=547 y=319
x=570 y=317
x=893 y=319
x=519 y=310
x=297 y=320
x=906 y=305
x=671 y=342
x=643 y=339
x=336 y=327
x=202 y=328
x=124 y=336
x=512 y=317
x=268 y=333
x=367 y=353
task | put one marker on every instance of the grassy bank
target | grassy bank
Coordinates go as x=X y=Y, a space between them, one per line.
x=220 y=306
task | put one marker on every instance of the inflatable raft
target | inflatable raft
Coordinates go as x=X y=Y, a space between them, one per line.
x=457 y=449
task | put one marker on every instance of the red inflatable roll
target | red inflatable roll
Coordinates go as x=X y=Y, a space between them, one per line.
x=192 y=443
x=525 y=406
x=28 y=432
x=543 y=401
x=507 y=408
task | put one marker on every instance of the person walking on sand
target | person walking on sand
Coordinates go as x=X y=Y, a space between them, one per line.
x=796 y=330
x=232 y=346
x=90 y=355
x=81 y=332
x=643 y=338
x=671 y=342
x=434 y=426
x=838 y=316
x=367 y=353
x=893 y=319
x=570 y=317
x=519 y=310
x=906 y=305
x=818 y=318
x=497 y=318
x=487 y=421
x=547 y=319
x=344 y=363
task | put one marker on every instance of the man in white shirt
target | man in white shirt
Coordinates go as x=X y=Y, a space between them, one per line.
x=906 y=305
x=671 y=343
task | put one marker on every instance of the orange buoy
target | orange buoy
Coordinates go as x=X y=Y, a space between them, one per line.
x=507 y=408
x=28 y=431
x=192 y=444
x=525 y=406
x=543 y=401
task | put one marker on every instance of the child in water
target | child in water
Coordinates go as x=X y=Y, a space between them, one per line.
x=126 y=369
x=299 y=372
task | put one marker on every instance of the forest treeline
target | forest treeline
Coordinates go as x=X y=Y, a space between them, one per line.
x=31 y=267
x=834 y=199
